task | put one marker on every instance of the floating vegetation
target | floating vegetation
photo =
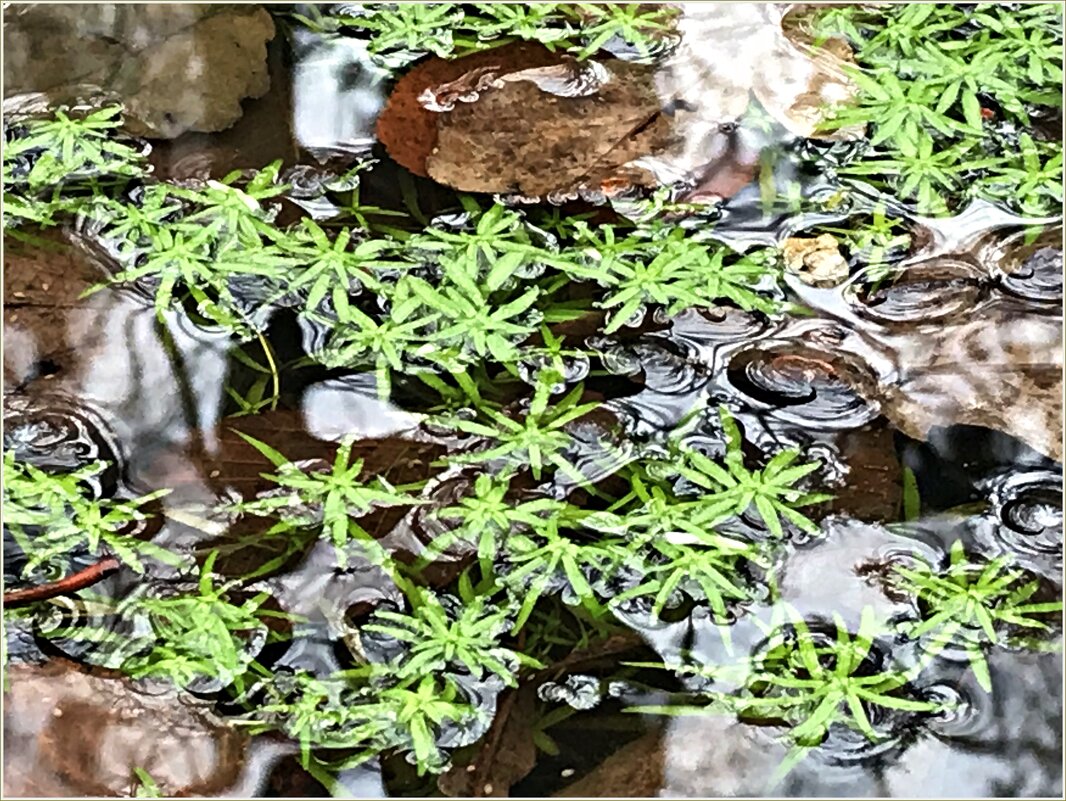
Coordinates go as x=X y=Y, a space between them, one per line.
x=949 y=91
x=398 y=34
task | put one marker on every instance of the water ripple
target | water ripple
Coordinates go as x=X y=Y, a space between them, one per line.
x=802 y=385
x=931 y=292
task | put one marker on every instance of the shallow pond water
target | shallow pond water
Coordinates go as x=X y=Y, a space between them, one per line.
x=911 y=353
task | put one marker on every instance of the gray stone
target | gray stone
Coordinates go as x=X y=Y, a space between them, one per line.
x=176 y=67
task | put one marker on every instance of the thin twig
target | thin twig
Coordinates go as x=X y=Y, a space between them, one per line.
x=73 y=583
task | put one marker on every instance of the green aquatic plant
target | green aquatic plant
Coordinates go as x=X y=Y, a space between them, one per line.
x=652 y=512
x=404 y=27
x=904 y=111
x=709 y=571
x=146 y=786
x=813 y=682
x=533 y=22
x=923 y=170
x=875 y=240
x=549 y=361
x=1029 y=37
x=1032 y=182
x=975 y=605
x=198 y=635
x=332 y=268
x=387 y=343
x=451 y=635
x=486 y=515
x=68 y=146
x=773 y=490
x=52 y=515
x=809 y=681
x=56 y=164
x=538 y=439
x=676 y=273
x=131 y=223
x=231 y=211
x=491 y=247
x=946 y=89
x=456 y=301
x=644 y=26
x=415 y=713
x=470 y=327
x=347 y=713
x=399 y=33
x=327 y=496
x=210 y=243
x=545 y=559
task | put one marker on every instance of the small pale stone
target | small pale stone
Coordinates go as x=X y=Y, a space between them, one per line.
x=817 y=261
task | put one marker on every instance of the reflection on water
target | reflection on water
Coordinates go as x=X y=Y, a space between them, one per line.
x=337 y=93
x=961 y=334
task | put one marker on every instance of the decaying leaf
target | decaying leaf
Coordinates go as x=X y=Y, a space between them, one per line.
x=634 y=771
x=520 y=120
x=506 y=754
x=69 y=732
x=523 y=136
x=872 y=491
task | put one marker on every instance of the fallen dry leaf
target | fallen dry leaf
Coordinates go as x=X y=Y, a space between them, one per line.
x=511 y=120
x=71 y=732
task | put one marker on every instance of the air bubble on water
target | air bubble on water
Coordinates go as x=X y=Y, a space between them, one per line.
x=577 y=691
x=566 y=370
x=636 y=319
x=616 y=359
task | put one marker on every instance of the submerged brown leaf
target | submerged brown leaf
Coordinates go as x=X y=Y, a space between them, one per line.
x=636 y=770
x=72 y=732
x=529 y=123
x=507 y=753
x=520 y=137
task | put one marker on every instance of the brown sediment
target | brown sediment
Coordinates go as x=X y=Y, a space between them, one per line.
x=408 y=131
x=73 y=583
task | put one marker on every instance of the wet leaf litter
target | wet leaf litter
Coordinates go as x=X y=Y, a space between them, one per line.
x=567 y=128
x=637 y=398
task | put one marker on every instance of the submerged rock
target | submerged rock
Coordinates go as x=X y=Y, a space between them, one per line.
x=177 y=68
